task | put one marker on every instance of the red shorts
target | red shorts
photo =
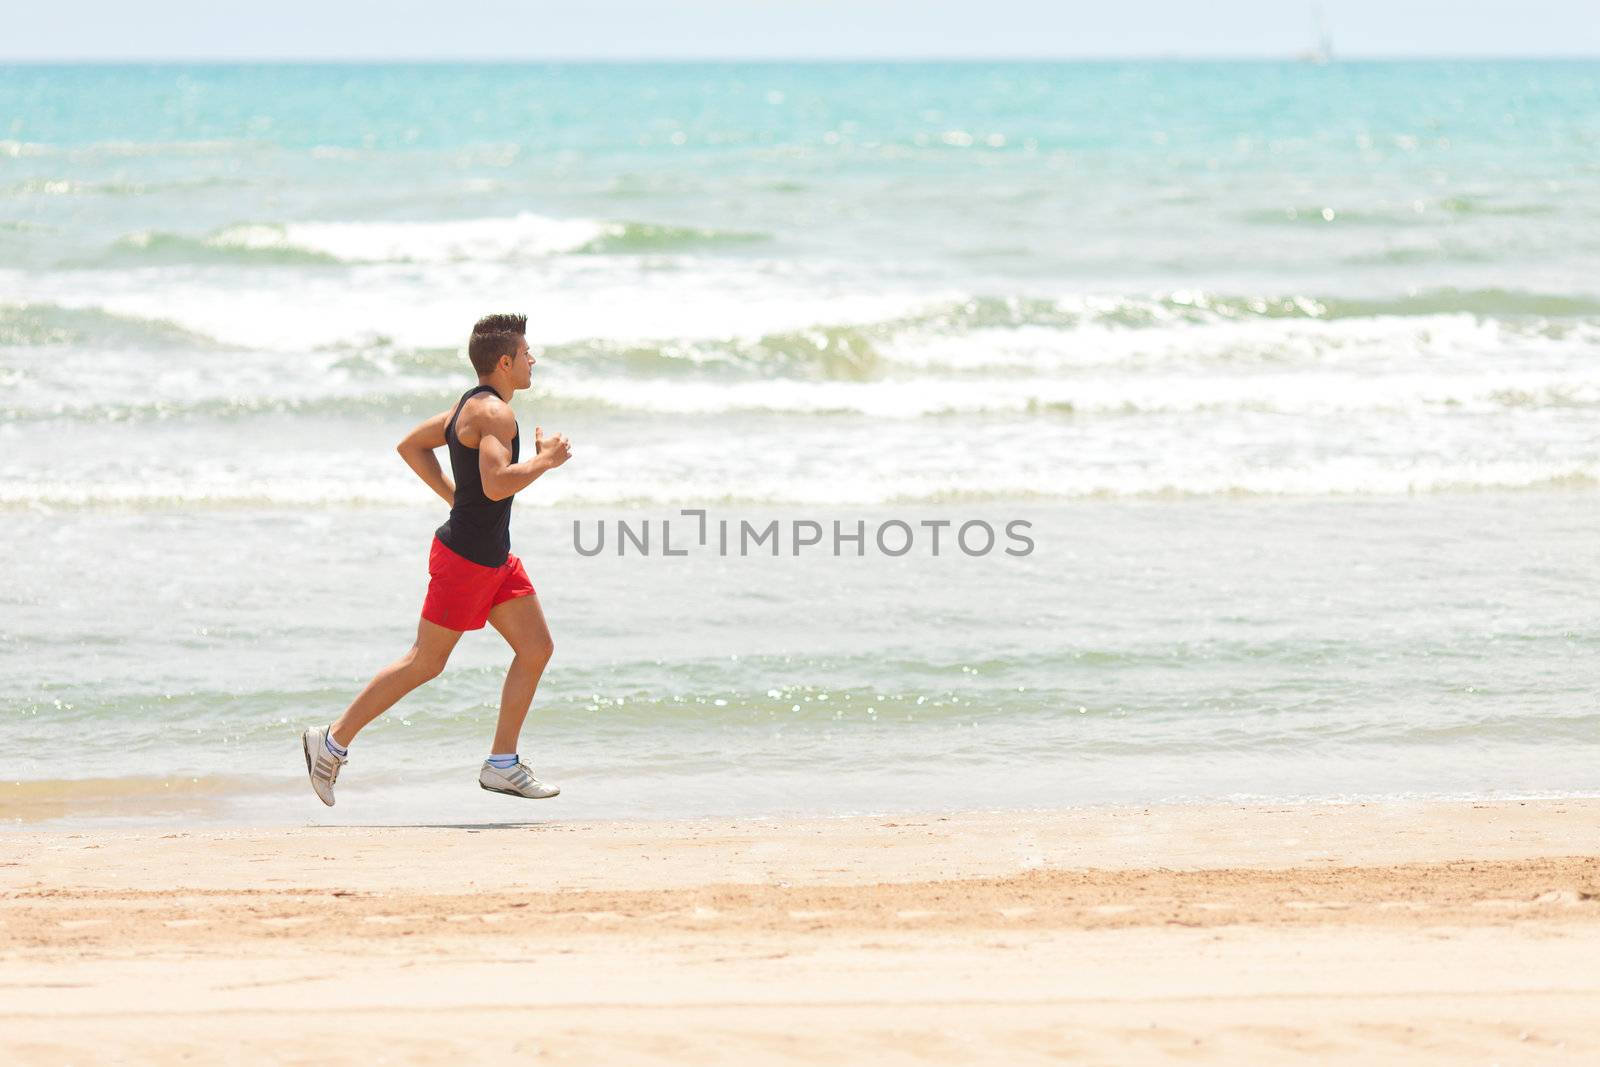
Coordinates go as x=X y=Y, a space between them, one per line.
x=461 y=592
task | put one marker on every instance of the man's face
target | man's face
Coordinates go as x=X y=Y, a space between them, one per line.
x=522 y=365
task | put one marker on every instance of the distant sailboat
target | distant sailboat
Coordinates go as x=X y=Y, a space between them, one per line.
x=1320 y=53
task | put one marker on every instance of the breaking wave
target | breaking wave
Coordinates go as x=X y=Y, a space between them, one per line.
x=617 y=488
x=524 y=236
x=27 y=325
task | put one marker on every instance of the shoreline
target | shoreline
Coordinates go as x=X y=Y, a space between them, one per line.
x=1215 y=933
x=147 y=803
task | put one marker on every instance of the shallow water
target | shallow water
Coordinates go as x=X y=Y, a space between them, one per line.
x=1172 y=650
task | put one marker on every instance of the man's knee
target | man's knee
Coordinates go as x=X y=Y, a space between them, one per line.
x=537 y=650
x=425 y=664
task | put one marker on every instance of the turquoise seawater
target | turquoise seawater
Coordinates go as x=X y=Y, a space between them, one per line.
x=1295 y=369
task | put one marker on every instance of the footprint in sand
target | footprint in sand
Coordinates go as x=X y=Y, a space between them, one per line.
x=1565 y=897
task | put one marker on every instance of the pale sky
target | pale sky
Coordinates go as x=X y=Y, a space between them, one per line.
x=770 y=29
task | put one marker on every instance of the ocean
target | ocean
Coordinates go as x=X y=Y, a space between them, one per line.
x=1291 y=371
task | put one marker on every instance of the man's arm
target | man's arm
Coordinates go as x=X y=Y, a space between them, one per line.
x=417 y=450
x=499 y=475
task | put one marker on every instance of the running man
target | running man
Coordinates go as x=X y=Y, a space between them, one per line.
x=472 y=576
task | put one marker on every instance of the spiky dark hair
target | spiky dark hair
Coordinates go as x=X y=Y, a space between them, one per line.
x=517 y=324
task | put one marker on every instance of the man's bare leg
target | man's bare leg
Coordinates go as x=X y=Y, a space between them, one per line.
x=521 y=623
x=421 y=663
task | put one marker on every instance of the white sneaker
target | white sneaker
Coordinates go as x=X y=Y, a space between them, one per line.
x=322 y=765
x=516 y=781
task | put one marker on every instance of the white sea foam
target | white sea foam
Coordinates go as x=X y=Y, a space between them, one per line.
x=434 y=305
x=1379 y=342
x=610 y=485
x=523 y=236
x=1306 y=393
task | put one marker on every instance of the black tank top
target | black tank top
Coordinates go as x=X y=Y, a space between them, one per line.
x=478 y=528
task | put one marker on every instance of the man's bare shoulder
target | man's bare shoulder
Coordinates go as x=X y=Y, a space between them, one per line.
x=485 y=413
x=487 y=404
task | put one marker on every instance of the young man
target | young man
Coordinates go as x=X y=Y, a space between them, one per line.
x=472 y=576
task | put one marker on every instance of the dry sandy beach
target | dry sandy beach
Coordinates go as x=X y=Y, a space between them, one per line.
x=1418 y=933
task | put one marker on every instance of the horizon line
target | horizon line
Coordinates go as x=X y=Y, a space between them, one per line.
x=1168 y=57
